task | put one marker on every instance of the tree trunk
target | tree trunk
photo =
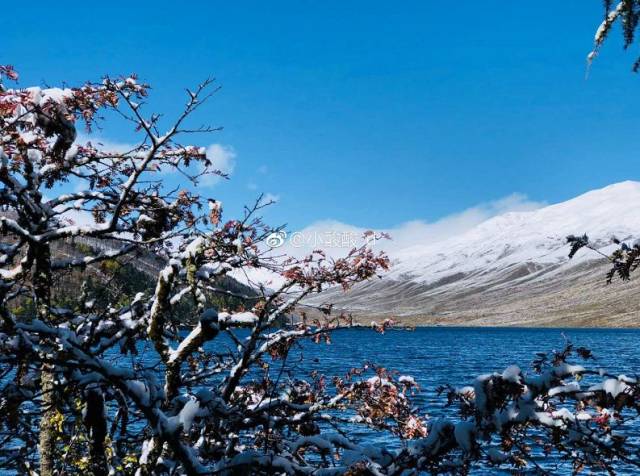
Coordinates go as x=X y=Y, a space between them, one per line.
x=49 y=408
x=97 y=428
x=47 y=423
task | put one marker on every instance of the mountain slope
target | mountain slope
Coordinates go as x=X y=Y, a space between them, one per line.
x=513 y=270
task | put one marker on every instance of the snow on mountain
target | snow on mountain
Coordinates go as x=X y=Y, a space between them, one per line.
x=535 y=236
x=513 y=269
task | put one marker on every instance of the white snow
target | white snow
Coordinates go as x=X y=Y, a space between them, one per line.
x=537 y=237
x=564 y=369
x=612 y=386
x=147 y=448
x=512 y=374
x=140 y=389
x=570 y=387
x=192 y=248
x=434 y=440
x=606 y=24
x=479 y=391
x=407 y=380
x=188 y=413
x=238 y=318
x=42 y=96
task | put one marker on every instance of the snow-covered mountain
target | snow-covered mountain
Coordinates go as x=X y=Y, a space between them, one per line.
x=513 y=269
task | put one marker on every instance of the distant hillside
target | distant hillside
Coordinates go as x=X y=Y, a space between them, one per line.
x=137 y=272
x=119 y=280
x=513 y=270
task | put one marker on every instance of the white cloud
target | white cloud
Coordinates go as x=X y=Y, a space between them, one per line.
x=263 y=169
x=419 y=231
x=336 y=238
x=223 y=158
x=79 y=218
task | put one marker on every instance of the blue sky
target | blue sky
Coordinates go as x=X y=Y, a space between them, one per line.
x=370 y=113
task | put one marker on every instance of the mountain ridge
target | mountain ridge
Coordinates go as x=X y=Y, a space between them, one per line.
x=513 y=269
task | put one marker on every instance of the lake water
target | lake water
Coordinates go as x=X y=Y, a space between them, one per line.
x=437 y=356
x=456 y=356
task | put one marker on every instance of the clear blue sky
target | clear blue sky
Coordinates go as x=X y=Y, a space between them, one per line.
x=371 y=113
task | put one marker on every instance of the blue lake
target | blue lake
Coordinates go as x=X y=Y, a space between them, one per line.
x=456 y=355
x=449 y=355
